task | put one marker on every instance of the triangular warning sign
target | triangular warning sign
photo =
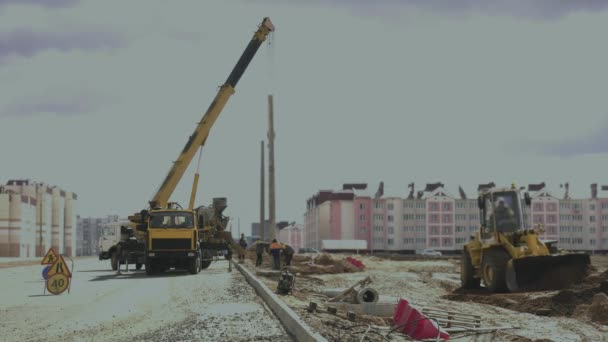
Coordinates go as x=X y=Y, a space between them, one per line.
x=50 y=257
x=59 y=267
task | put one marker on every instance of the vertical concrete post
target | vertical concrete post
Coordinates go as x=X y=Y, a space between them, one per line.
x=262 y=197
x=271 y=185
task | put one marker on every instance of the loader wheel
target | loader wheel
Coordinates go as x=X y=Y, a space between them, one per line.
x=467 y=272
x=494 y=270
x=114 y=260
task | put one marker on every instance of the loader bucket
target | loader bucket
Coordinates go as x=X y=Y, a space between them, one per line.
x=539 y=273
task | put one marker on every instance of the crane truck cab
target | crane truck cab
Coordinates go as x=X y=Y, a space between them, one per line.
x=171 y=240
x=507 y=256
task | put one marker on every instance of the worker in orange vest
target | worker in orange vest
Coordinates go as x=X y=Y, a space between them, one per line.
x=275 y=251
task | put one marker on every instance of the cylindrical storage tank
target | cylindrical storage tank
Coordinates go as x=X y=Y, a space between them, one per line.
x=69 y=225
x=57 y=221
x=5 y=217
x=14 y=234
x=28 y=221
x=47 y=218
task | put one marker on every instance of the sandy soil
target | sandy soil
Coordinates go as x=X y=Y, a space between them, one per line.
x=434 y=283
x=103 y=306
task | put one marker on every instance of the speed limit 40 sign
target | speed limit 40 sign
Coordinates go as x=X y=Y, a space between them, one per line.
x=57 y=283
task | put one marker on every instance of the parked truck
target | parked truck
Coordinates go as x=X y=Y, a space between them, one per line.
x=166 y=235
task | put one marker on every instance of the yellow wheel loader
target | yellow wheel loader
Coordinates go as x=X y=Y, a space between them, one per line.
x=507 y=257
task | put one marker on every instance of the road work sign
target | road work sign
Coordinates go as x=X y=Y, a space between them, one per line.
x=59 y=267
x=50 y=257
x=57 y=283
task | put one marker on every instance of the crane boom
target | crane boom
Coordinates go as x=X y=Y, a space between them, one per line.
x=203 y=128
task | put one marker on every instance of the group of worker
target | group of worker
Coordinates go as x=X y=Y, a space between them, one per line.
x=275 y=249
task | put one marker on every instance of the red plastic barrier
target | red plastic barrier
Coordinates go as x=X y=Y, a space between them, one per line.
x=355 y=262
x=415 y=324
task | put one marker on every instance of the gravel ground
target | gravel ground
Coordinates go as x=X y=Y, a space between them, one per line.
x=426 y=284
x=102 y=306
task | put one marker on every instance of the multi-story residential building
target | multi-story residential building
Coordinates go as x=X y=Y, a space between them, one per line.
x=34 y=217
x=292 y=235
x=256 y=231
x=89 y=230
x=435 y=219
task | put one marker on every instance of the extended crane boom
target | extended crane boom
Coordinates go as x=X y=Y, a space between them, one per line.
x=203 y=128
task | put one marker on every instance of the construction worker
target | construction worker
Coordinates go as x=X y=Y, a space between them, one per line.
x=503 y=214
x=288 y=254
x=275 y=251
x=259 y=250
x=243 y=245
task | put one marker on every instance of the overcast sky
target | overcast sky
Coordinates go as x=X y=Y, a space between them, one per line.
x=99 y=97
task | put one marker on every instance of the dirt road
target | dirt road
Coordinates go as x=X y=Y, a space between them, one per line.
x=102 y=306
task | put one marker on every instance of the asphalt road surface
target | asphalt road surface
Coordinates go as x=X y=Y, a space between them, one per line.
x=214 y=305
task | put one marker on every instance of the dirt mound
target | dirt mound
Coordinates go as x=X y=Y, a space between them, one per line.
x=568 y=302
x=598 y=310
x=325 y=264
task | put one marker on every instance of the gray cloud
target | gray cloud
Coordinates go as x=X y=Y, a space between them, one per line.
x=44 y=3
x=594 y=143
x=64 y=105
x=548 y=9
x=27 y=43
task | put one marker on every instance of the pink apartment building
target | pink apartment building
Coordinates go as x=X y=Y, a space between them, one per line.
x=438 y=220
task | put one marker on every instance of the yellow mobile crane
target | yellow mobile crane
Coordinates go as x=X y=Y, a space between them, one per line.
x=167 y=235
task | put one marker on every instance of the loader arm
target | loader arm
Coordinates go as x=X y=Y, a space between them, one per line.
x=198 y=138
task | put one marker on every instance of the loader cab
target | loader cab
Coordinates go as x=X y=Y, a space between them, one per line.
x=500 y=211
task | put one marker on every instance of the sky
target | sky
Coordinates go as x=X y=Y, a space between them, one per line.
x=99 y=97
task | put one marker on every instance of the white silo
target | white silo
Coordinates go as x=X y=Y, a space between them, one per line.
x=5 y=217
x=69 y=234
x=14 y=226
x=57 y=220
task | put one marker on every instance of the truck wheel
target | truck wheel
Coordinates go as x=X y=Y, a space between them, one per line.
x=138 y=266
x=467 y=272
x=149 y=267
x=494 y=270
x=114 y=260
x=206 y=262
x=194 y=265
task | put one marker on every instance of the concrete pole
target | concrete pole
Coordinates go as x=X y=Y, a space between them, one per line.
x=262 y=197
x=271 y=188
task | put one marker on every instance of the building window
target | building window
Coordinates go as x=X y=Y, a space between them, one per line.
x=538 y=207
x=447 y=230
x=390 y=242
x=447 y=218
x=434 y=242
x=361 y=217
x=550 y=219
x=362 y=206
x=433 y=206
x=592 y=230
x=538 y=218
x=434 y=218
x=434 y=230
x=391 y=230
x=591 y=218
x=377 y=204
x=473 y=217
x=592 y=206
x=460 y=229
x=592 y=242
x=420 y=204
x=362 y=230
x=447 y=242
x=390 y=218
x=447 y=206
x=604 y=205
x=390 y=206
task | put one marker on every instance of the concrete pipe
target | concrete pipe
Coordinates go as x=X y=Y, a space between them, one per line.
x=366 y=295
